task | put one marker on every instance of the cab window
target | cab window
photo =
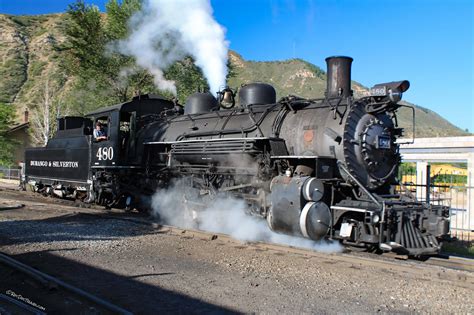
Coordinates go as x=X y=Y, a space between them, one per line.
x=101 y=128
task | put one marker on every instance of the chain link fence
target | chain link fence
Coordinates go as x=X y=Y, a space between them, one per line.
x=10 y=172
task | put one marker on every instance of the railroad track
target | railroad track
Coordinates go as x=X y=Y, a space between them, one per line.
x=452 y=262
x=444 y=261
x=30 y=291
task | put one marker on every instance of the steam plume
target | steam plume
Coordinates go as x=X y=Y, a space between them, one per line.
x=165 y=31
x=225 y=215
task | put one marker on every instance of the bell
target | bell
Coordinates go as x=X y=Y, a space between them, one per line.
x=228 y=97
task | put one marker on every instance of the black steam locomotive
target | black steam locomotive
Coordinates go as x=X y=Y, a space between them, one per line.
x=314 y=168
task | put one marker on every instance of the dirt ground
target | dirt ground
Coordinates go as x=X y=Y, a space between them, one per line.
x=147 y=270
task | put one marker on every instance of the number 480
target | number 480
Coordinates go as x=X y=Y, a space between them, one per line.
x=105 y=153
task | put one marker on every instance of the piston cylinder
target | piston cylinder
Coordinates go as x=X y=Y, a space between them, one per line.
x=292 y=213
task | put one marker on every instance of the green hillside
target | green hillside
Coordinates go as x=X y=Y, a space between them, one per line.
x=31 y=53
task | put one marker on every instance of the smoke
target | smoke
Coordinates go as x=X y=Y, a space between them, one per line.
x=223 y=214
x=165 y=31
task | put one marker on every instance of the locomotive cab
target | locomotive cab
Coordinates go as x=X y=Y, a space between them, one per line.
x=121 y=123
x=116 y=162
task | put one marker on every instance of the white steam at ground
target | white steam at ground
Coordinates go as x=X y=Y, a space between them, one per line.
x=225 y=215
x=165 y=31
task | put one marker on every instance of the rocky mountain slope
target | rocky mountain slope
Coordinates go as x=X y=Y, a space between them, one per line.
x=31 y=55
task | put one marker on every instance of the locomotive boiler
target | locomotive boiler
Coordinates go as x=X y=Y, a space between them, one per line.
x=315 y=168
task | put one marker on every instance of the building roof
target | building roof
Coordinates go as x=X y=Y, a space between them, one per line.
x=19 y=127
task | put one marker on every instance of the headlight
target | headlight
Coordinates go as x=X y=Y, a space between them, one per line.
x=375 y=218
x=395 y=95
x=392 y=90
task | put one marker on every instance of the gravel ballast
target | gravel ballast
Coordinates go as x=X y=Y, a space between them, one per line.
x=148 y=270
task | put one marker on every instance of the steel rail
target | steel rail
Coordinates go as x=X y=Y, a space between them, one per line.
x=48 y=280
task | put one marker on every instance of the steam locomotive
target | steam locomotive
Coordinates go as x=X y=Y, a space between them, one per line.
x=314 y=168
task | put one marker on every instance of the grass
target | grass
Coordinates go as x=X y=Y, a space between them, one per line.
x=28 y=20
x=40 y=31
x=457 y=247
x=13 y=74
x=36 y=68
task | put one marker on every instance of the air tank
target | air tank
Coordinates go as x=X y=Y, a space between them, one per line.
x=199 y=103
x=257 y=93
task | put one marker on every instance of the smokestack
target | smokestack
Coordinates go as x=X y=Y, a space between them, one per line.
x=338 y=76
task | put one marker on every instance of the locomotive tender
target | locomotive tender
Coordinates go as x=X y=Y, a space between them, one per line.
x=315 y=168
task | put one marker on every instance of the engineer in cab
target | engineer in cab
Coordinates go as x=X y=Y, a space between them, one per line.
x=100 y=134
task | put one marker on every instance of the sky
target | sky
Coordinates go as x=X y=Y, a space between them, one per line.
x=428 y=42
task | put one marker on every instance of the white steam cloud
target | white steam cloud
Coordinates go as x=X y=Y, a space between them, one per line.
x=165 y=31
x=225 y=215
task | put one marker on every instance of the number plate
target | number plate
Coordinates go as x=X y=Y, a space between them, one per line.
x=384 y=143
x=346 y=230
x=378 y=91
x=105 y=153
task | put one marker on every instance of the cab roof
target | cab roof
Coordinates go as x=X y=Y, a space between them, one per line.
x=143 y=104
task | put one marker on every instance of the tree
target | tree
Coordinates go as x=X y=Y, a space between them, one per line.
x=7 y=116
x=85 y=39
x=106 y=76
x=118 y=15
x=231 y=71
x=91 y=56
x=189 y=78
x=44 y=123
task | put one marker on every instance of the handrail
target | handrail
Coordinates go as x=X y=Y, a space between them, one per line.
x=359 y=183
